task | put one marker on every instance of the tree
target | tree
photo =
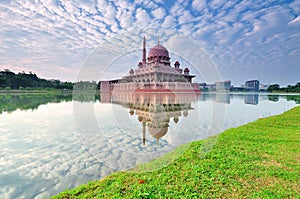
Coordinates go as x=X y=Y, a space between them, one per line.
x=273 y=87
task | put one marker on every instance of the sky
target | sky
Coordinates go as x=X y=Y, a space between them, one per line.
x=248 y=39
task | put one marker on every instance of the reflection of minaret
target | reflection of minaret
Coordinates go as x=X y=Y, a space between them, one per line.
x=144 y=51
x=144 y=133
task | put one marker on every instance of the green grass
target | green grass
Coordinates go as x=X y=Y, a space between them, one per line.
x=257 y=160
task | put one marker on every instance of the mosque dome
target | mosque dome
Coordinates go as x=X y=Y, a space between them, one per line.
x=158 y=50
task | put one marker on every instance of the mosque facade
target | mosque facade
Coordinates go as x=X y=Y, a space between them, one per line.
x=153 y=74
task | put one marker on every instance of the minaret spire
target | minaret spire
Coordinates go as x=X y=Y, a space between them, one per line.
x=144 y=51
x=144 y=132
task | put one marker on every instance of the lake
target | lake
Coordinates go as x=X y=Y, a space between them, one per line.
x=53 y=143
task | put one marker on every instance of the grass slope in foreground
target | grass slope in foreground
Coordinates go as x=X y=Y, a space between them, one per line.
x=257 y=160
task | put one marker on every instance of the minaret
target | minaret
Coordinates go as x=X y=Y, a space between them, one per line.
x=144 y=51
x=144 y=133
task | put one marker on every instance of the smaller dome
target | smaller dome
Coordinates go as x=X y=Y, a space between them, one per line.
x=176 y=119
x=140 y=118
x=186 y=70
x=140 y=63
x=131 y=112
x=177 y=63
x=131 y=71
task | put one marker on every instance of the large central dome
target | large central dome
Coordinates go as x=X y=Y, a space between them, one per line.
x=158 y=51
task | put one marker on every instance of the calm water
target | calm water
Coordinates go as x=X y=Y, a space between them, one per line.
x=52 y=143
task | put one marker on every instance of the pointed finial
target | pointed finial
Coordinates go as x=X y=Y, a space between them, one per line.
x=144 y=51
x=158 y=38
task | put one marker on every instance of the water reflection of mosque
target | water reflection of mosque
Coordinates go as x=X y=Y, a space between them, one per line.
x=154 y=110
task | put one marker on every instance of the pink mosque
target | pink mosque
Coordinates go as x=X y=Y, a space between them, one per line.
x=154 y=74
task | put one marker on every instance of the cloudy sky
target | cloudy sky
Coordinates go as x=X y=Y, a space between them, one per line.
x=249 y=39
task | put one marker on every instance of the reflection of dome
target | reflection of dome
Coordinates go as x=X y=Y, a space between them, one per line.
x=131 y=112
x=140 y=118
x=176 y=119
x=158 y=50
x=185 y=113
x=157 y=132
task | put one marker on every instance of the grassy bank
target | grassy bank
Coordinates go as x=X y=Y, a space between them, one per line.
x=260 y=160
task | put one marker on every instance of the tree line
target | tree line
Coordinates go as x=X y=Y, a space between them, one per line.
x=22 y=80
x=288 y=89
x=10 y=80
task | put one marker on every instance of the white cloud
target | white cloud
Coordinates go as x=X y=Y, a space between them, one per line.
x=216 y=4
x=146 y=3
x=295 y=20
x=295 y=6
x=142 y=17
x=198 y=5
x=169 y=22
x=159 y=13
x=185 y=17
x=126 y=20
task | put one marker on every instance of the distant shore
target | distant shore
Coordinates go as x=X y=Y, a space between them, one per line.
x=259 y=159
x=36 y=91
x=49 y=90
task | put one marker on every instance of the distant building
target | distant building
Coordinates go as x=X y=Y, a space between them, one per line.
x=223 y=86
x=211 y=87
x=263 y=87
x=252 y=85
x=203 y=86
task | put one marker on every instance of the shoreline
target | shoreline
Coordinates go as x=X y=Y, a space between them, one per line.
x=258 y=159
x=43 y=91
x=35 y=91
